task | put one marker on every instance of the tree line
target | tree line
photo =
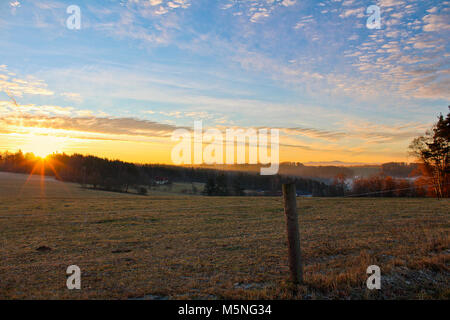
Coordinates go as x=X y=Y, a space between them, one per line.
x=115 y=175
x=119 y=176
x=381 y=185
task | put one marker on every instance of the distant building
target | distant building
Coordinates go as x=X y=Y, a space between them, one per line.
x=161 y=181
x=262 y=193
x=304 y=195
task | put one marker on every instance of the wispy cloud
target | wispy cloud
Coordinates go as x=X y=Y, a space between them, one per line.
x=17 y=86
x=256 y=10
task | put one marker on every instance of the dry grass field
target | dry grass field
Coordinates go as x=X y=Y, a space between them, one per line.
x=194 y=247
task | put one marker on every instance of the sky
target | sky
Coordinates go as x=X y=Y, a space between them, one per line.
x=137 y=70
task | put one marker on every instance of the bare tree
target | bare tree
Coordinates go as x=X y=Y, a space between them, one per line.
x=432 y=149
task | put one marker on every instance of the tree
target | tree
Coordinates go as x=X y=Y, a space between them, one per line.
x=194 y=188
x=339 y=185
x=432 y=149
x=222 y=185
x=210 y=187
x=238 y=190
x=389 y=186
x=142 y=190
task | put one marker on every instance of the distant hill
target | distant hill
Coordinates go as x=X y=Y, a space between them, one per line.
x=400 y=169
x=337 y=163
x=327 y=170
x=295 y=169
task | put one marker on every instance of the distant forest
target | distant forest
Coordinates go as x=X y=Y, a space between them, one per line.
x=114 y=175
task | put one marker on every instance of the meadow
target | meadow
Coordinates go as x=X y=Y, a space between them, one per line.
x=170 y=245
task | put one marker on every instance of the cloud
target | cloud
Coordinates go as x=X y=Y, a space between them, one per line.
x=315 y=133
x=391 y=3
x=159 y=7
x=358 y=12
x=18 y=87
x=304 y=21
x=288 y=3
x=25 y=117
x=152 y=22
x=8 y=108
x=389 y=60
x=436 y=23
x=196 y=115
x=14 y=4
x=256 y=10
x=377 y=133
x=72 y=96
x=88 y=126
x=258 y=15
x=364 y=131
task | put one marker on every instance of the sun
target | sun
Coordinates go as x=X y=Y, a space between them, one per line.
x=43 y=145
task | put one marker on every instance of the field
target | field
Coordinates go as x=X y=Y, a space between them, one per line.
x=173 y=246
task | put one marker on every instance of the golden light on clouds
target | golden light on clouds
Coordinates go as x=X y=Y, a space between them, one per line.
x=45 y=129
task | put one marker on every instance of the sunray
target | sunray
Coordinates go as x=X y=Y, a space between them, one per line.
x=35 y=167
x=50 y=165
x=42 y=182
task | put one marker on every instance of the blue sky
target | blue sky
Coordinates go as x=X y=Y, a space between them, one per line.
x=337 y=89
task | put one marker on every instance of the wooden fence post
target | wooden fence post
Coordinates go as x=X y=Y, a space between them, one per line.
x=290 y=210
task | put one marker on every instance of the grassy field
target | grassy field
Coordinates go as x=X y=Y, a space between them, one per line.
x=194 y=247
